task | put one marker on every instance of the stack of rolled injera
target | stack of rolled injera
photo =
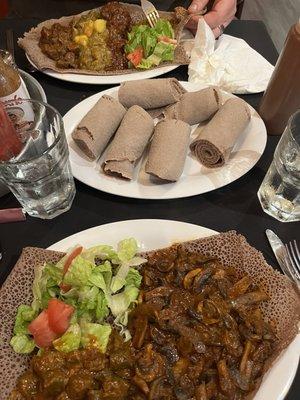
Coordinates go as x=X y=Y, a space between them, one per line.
x=129 y=143
x=151 y=94
x=195 y=107
x=168 y=149
x=216 y=140
x=98 y=126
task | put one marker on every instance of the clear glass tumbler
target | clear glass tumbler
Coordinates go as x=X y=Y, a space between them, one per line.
x=279 y=193
x=40 y=175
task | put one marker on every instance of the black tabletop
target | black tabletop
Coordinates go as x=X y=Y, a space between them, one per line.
x=235 y=206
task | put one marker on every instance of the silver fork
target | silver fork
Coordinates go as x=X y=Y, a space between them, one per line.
x=294 y=256
x=10 y=46
x=150 y=11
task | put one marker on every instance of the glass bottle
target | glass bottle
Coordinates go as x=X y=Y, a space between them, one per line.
x=282 y=96
x=11 y=85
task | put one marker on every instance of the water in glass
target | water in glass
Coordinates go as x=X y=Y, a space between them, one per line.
x=40 y=175
x=279 y=193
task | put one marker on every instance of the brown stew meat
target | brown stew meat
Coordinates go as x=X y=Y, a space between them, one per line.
x=197 y=333
x=100 y=52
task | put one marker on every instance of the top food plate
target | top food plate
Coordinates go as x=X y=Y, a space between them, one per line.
x=99 y=47
x=196 y=179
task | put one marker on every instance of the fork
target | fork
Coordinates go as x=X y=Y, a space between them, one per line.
x=150 y=11
x=10 y=46
x=152 y=14
x=294 y=257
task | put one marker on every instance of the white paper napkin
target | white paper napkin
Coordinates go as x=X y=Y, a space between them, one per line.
x=228 y=62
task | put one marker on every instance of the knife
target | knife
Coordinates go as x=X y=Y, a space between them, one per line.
x=280 y=253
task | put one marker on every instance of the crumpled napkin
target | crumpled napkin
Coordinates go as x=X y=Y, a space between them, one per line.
x=228 y=62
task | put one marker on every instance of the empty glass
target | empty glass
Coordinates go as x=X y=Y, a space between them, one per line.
x=279 y=193
x=39 y=175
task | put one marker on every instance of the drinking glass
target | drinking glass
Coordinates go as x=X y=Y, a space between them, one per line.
x=39 y=175
x=279 y=193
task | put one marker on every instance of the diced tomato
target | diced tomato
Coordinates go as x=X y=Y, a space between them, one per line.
x=136 y=56
x=59 y=314
x=65 y=288
x=71 y=257
x=43 y=335
x=166 y=39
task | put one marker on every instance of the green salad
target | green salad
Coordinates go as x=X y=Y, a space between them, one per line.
x=74 y=299
x=148 y=47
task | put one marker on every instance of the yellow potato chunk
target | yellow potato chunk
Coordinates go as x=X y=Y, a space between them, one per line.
x=100 y=25
x=81 y=39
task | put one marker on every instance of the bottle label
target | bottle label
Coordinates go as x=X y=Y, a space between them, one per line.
x=21 y=113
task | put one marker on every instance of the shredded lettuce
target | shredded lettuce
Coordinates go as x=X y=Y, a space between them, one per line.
x=45 y=285
x=100 y=282
x=25 y=315
x=146 y=37
x=70 y=340
x=120 y=302
x=133 y=278
x=102 y=252
x=162 y=52
x=79 y=272
x=95 y=335
x=22 y=344
x=164 y=28
x=102 y=309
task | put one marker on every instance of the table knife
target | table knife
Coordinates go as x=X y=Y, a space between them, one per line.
x=280 y=253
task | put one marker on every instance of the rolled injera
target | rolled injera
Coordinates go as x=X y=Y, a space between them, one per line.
x=129 y=143
x=168 y=149
x=151 y=94
x=195 y=107
x=216 y=140
x=97 y=127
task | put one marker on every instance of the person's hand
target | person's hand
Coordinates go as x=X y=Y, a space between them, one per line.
x=221 y=14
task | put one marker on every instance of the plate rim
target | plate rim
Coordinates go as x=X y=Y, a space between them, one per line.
x=55 y=245
x=104 y=79
x=157 y=196
x=293 y=363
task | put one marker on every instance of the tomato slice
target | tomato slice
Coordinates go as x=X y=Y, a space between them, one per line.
x=43 y=335
x=59 y=314
x=68 y=262
x=71 y=257
x=136 y=56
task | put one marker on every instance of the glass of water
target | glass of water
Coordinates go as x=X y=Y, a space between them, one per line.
x=279 y=193
x=39 y=174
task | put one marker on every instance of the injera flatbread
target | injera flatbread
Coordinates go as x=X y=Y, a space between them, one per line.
x=283 y=307
x=168 y=149
x=15 y=291
x=232 y=249
x=195 y=107
x=98 y=126
x=129 y=143
x=216 y=140
x=30 y=42
x=150 y=94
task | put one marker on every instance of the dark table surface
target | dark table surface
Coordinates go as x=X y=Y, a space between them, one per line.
x=235 y=206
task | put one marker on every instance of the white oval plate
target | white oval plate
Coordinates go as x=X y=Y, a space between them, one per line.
x=195 y=179
x=106 y=79
x=155 y=233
